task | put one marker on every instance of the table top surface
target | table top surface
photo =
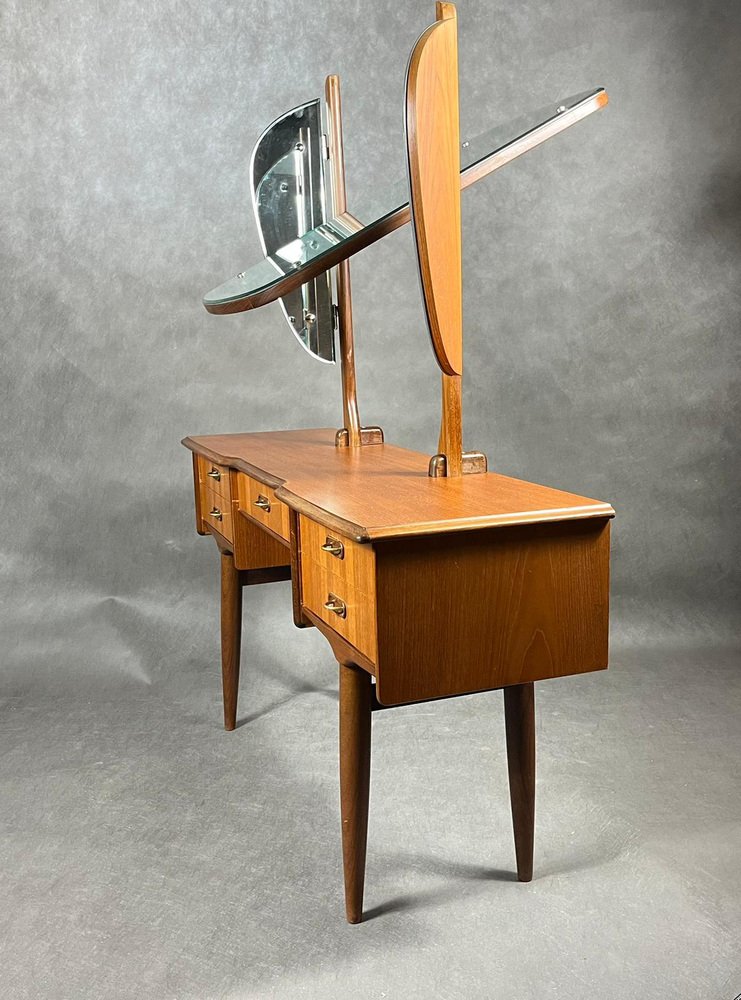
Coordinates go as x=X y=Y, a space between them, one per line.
x=383 y=491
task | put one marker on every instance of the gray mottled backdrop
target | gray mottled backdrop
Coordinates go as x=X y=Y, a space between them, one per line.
x=601 y=290
x=602 y=308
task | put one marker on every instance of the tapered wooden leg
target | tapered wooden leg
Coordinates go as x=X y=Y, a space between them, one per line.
x=355 y=752
x=519 y=720
x=231 y=637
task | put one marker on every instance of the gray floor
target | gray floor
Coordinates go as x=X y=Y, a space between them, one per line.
x=146 y=853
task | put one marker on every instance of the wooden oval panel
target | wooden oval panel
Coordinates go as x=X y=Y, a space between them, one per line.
x=433 y=146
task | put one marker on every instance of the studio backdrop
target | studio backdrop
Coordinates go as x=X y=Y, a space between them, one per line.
x=601 y=291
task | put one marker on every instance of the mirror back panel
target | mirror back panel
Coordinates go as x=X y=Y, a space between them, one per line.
x=290 y=198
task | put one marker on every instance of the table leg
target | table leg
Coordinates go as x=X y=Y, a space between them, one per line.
x=519 y=720
x=355 y=752
x=231 y=637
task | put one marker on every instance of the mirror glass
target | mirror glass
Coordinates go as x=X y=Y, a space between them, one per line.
x=289 y=199
x=293 y=250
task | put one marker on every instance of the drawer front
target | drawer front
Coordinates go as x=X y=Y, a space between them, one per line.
x=217 y=513
x=214 y=477
x=348 y=611
x=352 y=561
x=258 y=500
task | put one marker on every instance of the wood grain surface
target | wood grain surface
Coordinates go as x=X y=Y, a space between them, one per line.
x=519 y=723
x=256 y=548
x=450 y=442
x=473 y=611
x=214 y=477
x=231 y=637
x=346 y=338
x=385 y=491
x=355 y=563
x=358 y=623
x=355 y=762
x=200 y=527
x=252 y=496
x=433 y=147
x=217 y=513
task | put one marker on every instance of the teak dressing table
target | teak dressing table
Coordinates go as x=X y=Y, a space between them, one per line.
x=430 y=577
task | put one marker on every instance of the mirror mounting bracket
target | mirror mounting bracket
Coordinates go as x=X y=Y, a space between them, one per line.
x=472 y=462
x=368 y=435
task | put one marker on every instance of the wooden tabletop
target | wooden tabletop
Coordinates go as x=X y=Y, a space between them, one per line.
x=382 y=491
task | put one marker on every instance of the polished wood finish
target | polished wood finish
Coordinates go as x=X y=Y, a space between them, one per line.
x=355 y=759
x=258 y=501
x=384 y=492
x=481 y=610
x=433 y=142
x=255 y=547
x=519 y=719
x=217 y=513
x=451 y=426
x=231 y=637
x=333 y=565
x=458 y=614
x=200 y=527
x=435 y=585
x=357 y=622
x=350 y=413
x=444 y=587
x=215 y=477
x=522 y=596
x=300 y=620
x=354 y=562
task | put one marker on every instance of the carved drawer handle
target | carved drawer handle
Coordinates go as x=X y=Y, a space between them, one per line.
x=216 y=514
x=263 y=503
x=214 y=474
x=334 y=604
x=335 y=548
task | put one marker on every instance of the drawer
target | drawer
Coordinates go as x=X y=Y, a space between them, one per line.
x=353 y=561
x=214 y=477
x=217 y=513
x=354 y=614
x=258 y=500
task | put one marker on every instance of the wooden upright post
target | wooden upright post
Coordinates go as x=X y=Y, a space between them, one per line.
x=350 y=412
x=450 y=443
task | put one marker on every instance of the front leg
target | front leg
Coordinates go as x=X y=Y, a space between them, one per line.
x=355 y=755
x=519 y=720
x=231 y=637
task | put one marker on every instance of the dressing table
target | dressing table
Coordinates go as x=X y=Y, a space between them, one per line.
x=429 y=576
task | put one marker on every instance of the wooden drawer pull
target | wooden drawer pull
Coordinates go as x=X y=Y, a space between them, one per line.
x=333 y=603
x=263 y=503
x=335 y=548
x=214 y=474
x=216 y=514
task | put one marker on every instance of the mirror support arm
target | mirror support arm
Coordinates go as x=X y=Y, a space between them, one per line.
x=350 y=413
x=352 y=434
